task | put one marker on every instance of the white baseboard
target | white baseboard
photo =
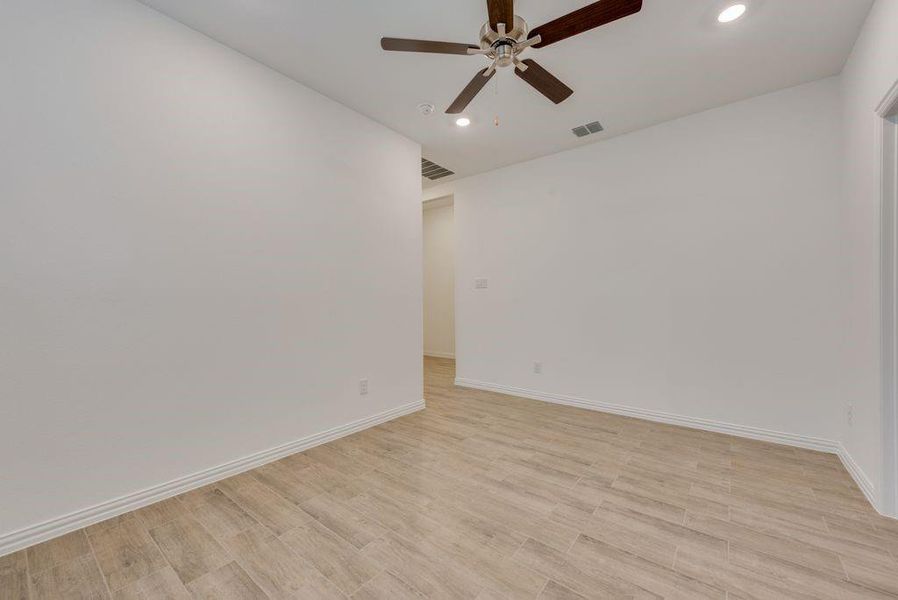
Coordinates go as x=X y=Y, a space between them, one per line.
x=439 y=354
x=41 y=532
x=860 y=478
x=755 y=433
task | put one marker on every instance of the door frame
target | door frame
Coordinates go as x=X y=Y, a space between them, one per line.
x=443 y=201
x=887 y=134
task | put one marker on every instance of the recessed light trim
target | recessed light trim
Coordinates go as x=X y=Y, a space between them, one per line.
x=463 y=121
x=731 y=13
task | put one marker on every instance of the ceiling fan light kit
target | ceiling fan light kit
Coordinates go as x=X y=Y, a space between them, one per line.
x=504 y=46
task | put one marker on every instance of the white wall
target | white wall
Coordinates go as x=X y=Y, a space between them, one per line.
x=869 y=73
x=439 y=278
x=199 y=258
x=693 y=268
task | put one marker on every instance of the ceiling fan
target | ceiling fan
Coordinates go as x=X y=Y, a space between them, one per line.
x=506 y=36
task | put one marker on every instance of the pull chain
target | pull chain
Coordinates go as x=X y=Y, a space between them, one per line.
x=496 y=119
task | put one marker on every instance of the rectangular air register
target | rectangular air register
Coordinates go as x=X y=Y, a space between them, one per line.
x=585 y=130
x=433 y=171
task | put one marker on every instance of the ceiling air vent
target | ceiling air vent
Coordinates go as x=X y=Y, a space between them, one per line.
x=434 y=171
x=585 y=130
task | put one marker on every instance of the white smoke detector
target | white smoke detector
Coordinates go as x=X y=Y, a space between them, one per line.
x=426 y=109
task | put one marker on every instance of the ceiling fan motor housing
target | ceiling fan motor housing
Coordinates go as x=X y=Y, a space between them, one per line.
x=501 y=45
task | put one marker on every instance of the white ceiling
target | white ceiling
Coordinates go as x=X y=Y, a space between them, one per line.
x=670 y=60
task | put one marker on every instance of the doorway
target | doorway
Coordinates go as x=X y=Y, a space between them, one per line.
x=439 y=278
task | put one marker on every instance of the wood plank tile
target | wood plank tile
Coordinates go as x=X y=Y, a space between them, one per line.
x=796 y=578
x=118 y=520
x=556 y=591
x=193 y=499
x=555 y=565
x=13 y=562
x=189 y=548
x=881 y=575
x=264 y=504
x=503 y=575
x=57 y=551
x=652 y=531
x=430 y=571
x=740 y=582
x=862 y=532
x=125 y=553
x=457 y=523
x=229 y=582
x=280 y=572
x=539 y=469
x=14 y=576
x=521 y=520
x=290 y=482
x=77 y=579
x=159 y=585
x=405 y=519
x=14 y=586
x=625 y=533
x=160 y=513
x=336 y=558
x=842 y=546
x=221 y=516
x=387 y=586
x=351 y=525
x=491 y=595
x=594 y=556
x=329 y=456
x=781 y=547
x=650 y=506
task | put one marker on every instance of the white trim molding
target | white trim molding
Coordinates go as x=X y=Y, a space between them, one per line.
x=439 y=354
x=889 y=102
x=754 y=433
x=887 y=145
x=41 y=532
x=860 y=478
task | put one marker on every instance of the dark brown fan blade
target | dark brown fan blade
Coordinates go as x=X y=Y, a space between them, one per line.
x=588 y=17
x=471 y=90
x=544 y=82
x=501 y=11
x=400 y=45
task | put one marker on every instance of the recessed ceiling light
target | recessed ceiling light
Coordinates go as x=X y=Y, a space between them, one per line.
x=731 y=13
x=463 y=121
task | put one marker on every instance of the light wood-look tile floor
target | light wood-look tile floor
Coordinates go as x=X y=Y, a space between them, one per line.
x=486 y=496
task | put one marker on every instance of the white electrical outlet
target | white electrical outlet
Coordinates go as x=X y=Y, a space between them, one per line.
x=363 y=387
x=481 y=283
x=537 y=367
x=850 y=413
